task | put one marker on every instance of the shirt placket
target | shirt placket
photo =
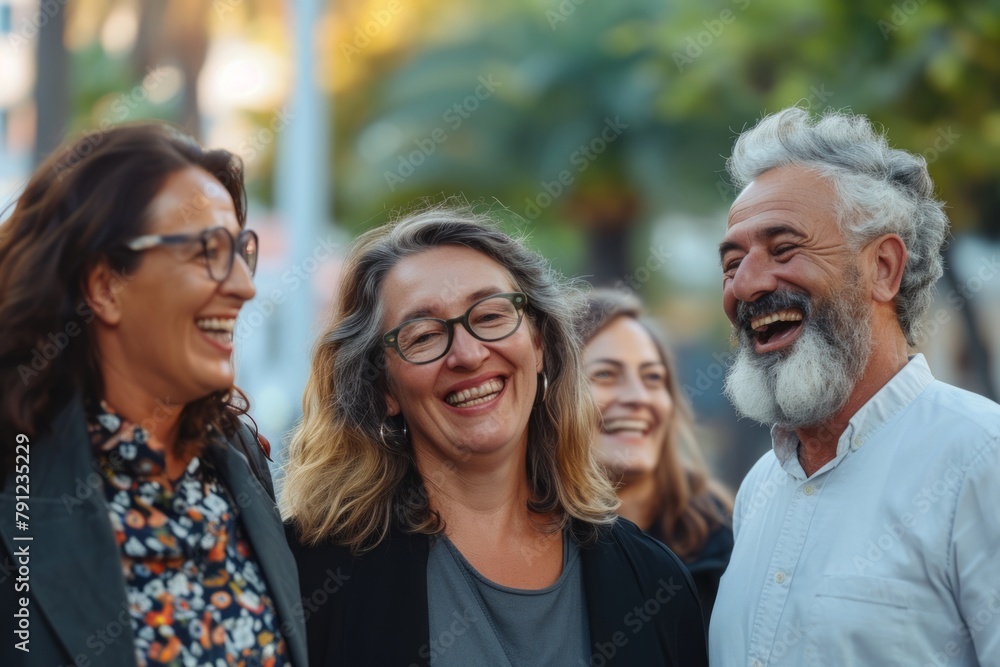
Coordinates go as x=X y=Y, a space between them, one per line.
x=781 y=569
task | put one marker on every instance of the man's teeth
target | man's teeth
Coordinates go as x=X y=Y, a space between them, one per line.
x=475 y=395
x=790 y=315
x=616 y=425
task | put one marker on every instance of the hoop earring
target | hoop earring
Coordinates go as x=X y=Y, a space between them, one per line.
x=545 y=388
x=382 y=431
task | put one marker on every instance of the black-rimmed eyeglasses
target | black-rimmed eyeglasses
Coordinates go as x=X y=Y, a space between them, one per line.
x=218 y=247
x=427 y=339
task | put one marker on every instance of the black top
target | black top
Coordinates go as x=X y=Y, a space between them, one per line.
x=642 y=606
x=708 y=565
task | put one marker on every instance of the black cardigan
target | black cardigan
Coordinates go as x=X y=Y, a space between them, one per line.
x=372 y=610
x=708 y=565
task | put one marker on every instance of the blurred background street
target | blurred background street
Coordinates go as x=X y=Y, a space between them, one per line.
x=599 y=129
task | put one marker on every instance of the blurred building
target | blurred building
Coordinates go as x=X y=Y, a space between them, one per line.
x=18 y=34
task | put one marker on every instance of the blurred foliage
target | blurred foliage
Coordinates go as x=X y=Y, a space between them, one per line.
x=507 y=102
x=684 y=78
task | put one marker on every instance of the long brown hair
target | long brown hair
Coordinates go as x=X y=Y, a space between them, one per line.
x=77 y=209
x=689 y=503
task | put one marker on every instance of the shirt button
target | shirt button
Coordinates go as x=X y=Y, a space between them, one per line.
x=809 y=490
x=858 y=441
x=779 y=577
x=757 y=663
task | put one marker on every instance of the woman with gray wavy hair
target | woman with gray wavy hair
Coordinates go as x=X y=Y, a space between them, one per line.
x=442 y=497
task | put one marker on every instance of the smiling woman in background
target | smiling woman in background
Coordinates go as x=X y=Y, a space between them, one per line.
x=444 y=501
x=155 y=540
x=646 y=440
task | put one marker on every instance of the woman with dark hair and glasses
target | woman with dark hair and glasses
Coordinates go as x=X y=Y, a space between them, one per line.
x=145 y=500
x=444 y=502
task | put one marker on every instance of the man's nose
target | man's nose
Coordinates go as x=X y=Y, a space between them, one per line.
x=754 y=278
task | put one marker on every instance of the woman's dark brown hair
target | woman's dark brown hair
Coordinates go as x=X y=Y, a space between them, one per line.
x=80 y=205
x=689 y=504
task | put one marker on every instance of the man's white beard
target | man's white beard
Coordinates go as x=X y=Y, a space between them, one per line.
x=809 y=385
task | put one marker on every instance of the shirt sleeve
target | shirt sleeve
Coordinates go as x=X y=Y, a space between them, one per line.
x=975 y=551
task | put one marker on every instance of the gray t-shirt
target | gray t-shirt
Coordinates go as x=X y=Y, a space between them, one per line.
x=475 y=622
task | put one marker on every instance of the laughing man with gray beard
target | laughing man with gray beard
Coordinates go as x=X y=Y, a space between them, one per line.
x=870 y=534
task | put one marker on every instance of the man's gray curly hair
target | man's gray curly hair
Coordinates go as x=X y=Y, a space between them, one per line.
x=883 y=190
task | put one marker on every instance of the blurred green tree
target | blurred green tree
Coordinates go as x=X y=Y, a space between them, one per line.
x=510 y=100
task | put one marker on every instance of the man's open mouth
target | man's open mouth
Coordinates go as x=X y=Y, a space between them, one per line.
x=775 y=329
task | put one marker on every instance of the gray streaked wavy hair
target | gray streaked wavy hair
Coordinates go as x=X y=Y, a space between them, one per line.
x=883 y=190
x=344 y=481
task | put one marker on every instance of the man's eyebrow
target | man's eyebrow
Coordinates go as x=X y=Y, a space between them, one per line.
x=725 y=247
x=766 y=234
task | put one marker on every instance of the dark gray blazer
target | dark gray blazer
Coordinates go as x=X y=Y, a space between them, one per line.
x=78 y=609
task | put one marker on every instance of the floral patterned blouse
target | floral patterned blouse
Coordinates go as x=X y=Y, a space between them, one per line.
x=195 y=591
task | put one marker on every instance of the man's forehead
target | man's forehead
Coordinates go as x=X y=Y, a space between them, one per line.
x=791 y=191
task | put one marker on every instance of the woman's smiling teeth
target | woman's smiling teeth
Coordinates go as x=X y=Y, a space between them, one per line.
x=218 y=328
x=466 y=398
x=618 y=425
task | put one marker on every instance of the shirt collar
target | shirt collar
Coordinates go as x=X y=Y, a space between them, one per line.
x=887 y=402
x=124 y=445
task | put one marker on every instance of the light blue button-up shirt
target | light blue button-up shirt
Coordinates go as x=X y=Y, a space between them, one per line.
x=887 y=555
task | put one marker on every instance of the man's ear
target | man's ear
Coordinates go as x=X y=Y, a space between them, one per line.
x=890 y=260
x=101 y=290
